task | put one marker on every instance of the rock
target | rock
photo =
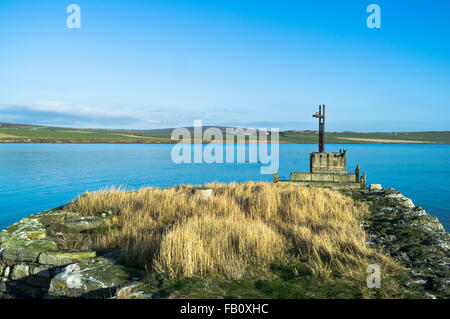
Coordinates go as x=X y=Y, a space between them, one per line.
x=25 y=240
x=416 y=240
x=136 y=291
x=89 y=223
x=93 y=278
x=3 y=287
x=38 y=281
x=41 y=272
x=27 y=251
x=204 y=193
x=60 y=258
x=19 y=271
x=24 y=290
x=430 y=296
x=408 y=203
x=395 y=195
x=7 y=271
x=375 y=187
x=2 y=267
x=56 y=216
x=37 y=234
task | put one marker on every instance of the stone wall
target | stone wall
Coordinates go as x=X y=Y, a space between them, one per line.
x=328 y=162
x=324 y=177
x=325 y=184
x=33 y=265
x=412 y=237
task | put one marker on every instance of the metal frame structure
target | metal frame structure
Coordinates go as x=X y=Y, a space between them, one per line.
x=321 y=116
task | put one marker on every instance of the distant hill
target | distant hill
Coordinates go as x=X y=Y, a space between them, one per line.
x=26 y=133
x=190 y=128
x=10 y=125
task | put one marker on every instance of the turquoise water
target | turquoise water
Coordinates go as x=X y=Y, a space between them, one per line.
x=36 y=177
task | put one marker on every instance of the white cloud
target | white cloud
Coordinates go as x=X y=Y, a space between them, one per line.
x=80 y=115
x=57 y=113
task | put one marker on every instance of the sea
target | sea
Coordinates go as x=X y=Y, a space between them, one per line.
x=38 y=177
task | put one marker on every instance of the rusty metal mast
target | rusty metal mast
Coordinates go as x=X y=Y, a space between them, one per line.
x=321 y=116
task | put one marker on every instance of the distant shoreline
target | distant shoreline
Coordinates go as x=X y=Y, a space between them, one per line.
x=26 y=134
x=208 y=142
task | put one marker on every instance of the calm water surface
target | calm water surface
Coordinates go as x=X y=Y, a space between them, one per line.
x=36 y=177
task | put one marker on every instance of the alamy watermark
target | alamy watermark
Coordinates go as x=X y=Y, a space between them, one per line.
x=374 y=20
x=74 y=19
x=256 y=141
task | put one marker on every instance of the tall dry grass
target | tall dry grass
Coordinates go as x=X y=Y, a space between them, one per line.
x=210 y=244
x=243 y=225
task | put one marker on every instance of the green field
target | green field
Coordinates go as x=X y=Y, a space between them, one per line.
x=14 y=133
x=369 y=138
x=40 y=134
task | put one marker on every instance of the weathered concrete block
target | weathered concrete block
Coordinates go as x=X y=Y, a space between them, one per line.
x=344 y=178
x=298 y=176
x=60 y=258
x=328 y=162
x=362 y=180
x=322 y=177
x=205 y=193
x=276 y=177
x=332 y=185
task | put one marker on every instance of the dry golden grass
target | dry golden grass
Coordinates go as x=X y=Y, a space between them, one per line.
x=209 y=244
x=124 y=293
x=2 y=135
x=242 y=227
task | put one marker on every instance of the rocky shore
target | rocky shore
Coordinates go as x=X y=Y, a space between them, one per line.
x=412 y=237
x=34 y=265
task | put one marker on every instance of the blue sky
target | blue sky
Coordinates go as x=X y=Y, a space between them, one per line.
x=154 y=64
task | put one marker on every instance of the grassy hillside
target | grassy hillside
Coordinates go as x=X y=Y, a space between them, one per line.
x=42 y=134
x=15 y=133
x=369 y=138
x=254 y=240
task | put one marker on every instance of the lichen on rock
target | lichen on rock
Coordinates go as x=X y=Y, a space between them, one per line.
x=60 y=258
x=95 y=278
x=411 y=236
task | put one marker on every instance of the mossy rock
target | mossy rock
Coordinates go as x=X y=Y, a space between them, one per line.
x=95 y=278
x=60 y=258
x=90 y=223
x=20 y=271
x=25 y=240
x=56 y=216
x=27 y=251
